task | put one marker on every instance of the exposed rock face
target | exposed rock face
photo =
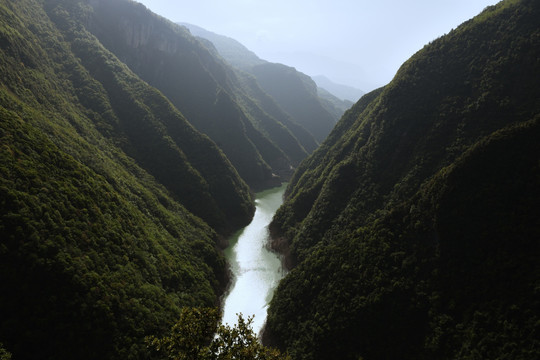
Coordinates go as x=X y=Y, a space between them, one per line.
x=111 y=202
x=205 y=89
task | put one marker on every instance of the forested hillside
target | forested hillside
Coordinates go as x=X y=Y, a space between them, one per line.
x=294 y=92
x=413 y=232
x=333 y=104
x=343 y=92
x=111 y=203
x=323 y=101
x=259 y=139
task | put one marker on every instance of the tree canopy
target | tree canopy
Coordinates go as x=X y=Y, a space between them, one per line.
x=196 y=336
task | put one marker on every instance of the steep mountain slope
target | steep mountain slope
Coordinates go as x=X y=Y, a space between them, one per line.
x=152 y=131
x=199 y=83
x=100 y=178
x=293 y=91
x=343 y=92
x=231 y=50
x=333 y=104
x=243 y=60
x=267 y=111
x=413 y=230
x=297 y=94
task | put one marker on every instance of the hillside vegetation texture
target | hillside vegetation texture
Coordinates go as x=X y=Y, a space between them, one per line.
x=111 y=202
x=413 y=231
x=302 y=104
x=257 y=136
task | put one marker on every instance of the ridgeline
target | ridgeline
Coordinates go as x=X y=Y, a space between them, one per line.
x=412 y=232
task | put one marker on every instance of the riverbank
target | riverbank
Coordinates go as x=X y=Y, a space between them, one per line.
x=256 y=269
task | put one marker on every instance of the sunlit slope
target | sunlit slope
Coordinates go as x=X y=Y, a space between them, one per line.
x=412 y=229
x=296 y=93
x=303 y=107
x=201 y=85
x=106 y=193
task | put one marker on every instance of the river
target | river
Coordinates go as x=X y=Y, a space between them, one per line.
x=256 y=269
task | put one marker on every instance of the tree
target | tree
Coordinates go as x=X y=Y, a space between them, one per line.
x=197 y=336
x=4 y=354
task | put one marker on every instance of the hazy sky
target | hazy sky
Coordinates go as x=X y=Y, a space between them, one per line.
x=355 y=42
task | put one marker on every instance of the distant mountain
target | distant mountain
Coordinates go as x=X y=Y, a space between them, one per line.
x=332 y=103
x=212 y=96
x=413 y=231
x=305 y=107
x=296 y=93
x=335 y=98
x=343 y=92
x=231 y=50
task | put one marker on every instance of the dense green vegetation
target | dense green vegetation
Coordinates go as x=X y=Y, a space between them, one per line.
x=4 y=354
x=90 y=268
x=258 y=138
x=295 y=93
x=111 y=203
x=413 y=231
x=332 y=104
x=196 y=336
x=162 y=128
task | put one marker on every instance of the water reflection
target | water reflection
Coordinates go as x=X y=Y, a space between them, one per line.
x=256 y=269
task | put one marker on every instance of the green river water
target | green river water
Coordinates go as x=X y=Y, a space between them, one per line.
x=256 y=269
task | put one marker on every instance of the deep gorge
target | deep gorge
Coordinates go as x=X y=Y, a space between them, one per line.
x=129 y=149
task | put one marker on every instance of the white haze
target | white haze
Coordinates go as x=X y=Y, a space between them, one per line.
x=354 y=42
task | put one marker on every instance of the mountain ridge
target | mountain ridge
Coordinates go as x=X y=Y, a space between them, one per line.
x=315 y=113
x=401 y=217
x=204 y=88
x=343 y=92
x=230 y=49
x=240 y=56
x=112 y=205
